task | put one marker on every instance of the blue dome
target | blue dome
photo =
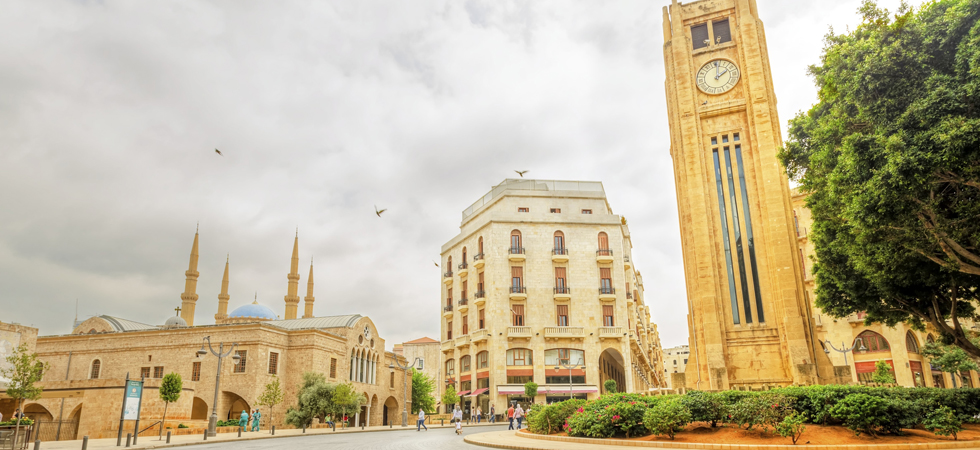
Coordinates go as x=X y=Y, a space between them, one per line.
x=254 y=311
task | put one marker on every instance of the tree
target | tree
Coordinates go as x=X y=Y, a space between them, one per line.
x=314 y=399
x=610 y=386
x=950 y=359
x=170 y=389
x=271 y=396
x=24 y=369
x=531 y=390
x=346 y=400
x=882 y=373
x=889 y=160
x=422 y=387
x=449 y=398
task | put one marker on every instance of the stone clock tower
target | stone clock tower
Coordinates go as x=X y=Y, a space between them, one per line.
x=749 y=318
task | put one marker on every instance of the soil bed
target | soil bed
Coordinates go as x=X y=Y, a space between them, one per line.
x=702 y=433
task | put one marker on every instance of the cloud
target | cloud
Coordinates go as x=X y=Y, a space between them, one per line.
x=110 y=113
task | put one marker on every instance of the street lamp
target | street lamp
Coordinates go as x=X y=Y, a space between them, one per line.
x=843 y=350
x=213 y=421
x=570 y=367
x=404 y=387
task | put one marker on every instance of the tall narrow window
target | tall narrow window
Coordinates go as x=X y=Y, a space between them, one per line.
x=450 y=367
x=605 y=281
x=482 y=360
x=737 y=230
x=560 y=285
x=240 y=367
x=273 y=363
x=464 y=364
x=462 y=291
x=515 y=242
x=464 y=257
x=748 y=232
x=449 y=329
x=562 y=315
x=96 y=369
x=733 y=297
x=560 y=243
x=391 y=380
x=479 y=244
x=518 y=311
x=796 y=222
x=479 y=283
x=449 y=296
x=516 y=279
x=482 y=319
x=466 y=325
x=333 y=367
x=607 y=316
x=699 y=36
x=196 y=371
x=449 y=266
x=604 y=244
x=722 y=31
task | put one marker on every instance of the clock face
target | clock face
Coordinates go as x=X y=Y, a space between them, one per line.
x=718 y=76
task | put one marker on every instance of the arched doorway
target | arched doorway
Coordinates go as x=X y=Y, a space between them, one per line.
x=37 y=412
x=392 y=415
x=236 y=404
x=612 y=367
x=199 y=411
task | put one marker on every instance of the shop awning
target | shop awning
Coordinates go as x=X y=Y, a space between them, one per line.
x=564 y=390
x=478 y=392
x=462 y=393
x=510 y=390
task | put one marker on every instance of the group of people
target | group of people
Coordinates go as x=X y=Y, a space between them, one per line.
x=250 y=421
x=513 y=413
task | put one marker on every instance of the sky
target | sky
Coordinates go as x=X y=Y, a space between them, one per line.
x=110 y=112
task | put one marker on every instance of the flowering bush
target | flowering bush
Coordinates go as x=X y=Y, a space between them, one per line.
x=667 y=418
x=606 y=417
x=552 y=418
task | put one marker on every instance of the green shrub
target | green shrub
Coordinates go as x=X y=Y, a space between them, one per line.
x=552 y=418
x=882 y=373
x=667 y=417
x=704 y=407
x=182 y=426
x=792 y=426
x=610 y=386
x=863 y=413
x=944 y=422
x=611 y=415
x=767 y=409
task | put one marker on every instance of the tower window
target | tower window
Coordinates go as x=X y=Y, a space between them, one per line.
x=333 y=367
x=722 y=31
x=699 y=36
x=96 y=368
x=240 y=367
x=196 y=371
x=273 y=363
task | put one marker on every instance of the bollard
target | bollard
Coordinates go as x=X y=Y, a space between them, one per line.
x=442 y=422
x=85 y=443
x=129 y=439
x=205 y=435
x=389 y=424
x=304 y=429
x=273 y=430
x=362 y=427
x=37 y=445
x=168 y=437
x=239 y=431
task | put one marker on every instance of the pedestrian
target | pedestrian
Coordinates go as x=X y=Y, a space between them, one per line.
x=420 y=424
x=329 y=421
x=255 y=420
x=243 y=419
x=479 y=414
x=519 y=415
x=458 y=417
x=493 y=414
x=510 y=417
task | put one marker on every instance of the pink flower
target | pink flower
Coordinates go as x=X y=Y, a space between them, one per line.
x=615 y=418
x=581 y=409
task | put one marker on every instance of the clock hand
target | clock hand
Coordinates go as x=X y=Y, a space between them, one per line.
x=720 y=74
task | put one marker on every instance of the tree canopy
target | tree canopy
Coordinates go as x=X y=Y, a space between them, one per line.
x=422 y=387
x=271 y=396
x=890 y=160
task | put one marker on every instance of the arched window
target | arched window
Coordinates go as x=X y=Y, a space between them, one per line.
x=479 y=244
x=568 y=356
x=519 y=357
x=515 y=242
x=604 y=243
x=464 y=364
x=450 y=367
x=911 y=343
x=96 y=369
x=560 y=243
x=930 y=339
x=870 y=342
x=482 y=360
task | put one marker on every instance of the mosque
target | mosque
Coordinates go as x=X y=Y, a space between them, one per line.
x=83 y=390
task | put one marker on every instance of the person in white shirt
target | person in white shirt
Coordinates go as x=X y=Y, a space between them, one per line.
x=458 y=417
x=421 y=421
x=519 y=415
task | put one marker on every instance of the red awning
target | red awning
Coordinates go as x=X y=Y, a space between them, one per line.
x=478 y=392
x=462 y=393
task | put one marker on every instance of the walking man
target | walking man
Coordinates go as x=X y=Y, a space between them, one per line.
x=255 y=420
x=510 y=417
x=421 y=422
x=493 y=414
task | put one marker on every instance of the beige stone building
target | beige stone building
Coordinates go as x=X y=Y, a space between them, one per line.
x=84 y=387
x=12 y=335
x=899 y=346
x=749 y=320
x=540 y=276
x=675 y=361
x=424 y=353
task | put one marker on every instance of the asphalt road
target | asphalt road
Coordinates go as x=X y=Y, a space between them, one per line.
x=442 y=438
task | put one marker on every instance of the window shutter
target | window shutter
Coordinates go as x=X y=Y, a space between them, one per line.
x=517 y=272
x=723 y=32
x=699 y=36
x=605 y=272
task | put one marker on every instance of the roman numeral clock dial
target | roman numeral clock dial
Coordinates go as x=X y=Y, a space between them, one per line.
x=717 y=76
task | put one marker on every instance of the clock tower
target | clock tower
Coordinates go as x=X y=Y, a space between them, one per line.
x=749 y=318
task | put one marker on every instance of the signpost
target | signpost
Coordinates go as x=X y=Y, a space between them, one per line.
x=132 y=400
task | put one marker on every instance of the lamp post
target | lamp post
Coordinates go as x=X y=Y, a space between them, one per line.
x=844 y=350
x=570 y=367
x=404 y=387
x=221 y=354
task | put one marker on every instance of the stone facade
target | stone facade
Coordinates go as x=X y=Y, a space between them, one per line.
x=607 y=323
x=749 y=321
x=426 y=351
x=902 y=347
x=12 y=335
x=675 y=361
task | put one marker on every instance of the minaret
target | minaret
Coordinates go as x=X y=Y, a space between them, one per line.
x=223 y=297
x=189 y=297
x=292 y=297
x=308 y=301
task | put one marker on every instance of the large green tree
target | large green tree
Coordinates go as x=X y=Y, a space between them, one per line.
x=24 y=370
x=422 y=387
x=314 y=399
x=890 y=158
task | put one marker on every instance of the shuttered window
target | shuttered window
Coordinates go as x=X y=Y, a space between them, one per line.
x=482 y=320
x=273 y=363
x=466 y=325
x=240 y=367
x=449 y=329
x=518 y=315
x=196 y=372
x=333 y=367
x=560 y=279
x=607 y=316
x=699 y=36
x=563 y=315
x=722 y=31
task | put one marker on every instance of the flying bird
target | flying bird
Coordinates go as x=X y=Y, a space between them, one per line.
x=218 y=152
x=521 y=172
x=437 y=264
x=378 y=212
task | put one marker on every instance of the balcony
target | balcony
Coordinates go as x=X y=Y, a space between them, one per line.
x=447 y=345
x=515 y=253
x=478 y=260
x=607 y=294
x=479 y=298
x=564 y=332
x=447 y=311
x=479 y=335
x=611 y=332
x=463 y=304
x=519 y=332
x=462 y=341
x=447 y=277
x=559 y=255
x=518 y=293
x=463 y=269
x=563 y=294
x=604 y=255
x=626 y=262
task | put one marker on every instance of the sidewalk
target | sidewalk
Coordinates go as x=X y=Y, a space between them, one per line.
x=509 y=440
x=195 y=439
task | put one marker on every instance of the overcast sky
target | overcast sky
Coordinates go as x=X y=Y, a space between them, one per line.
x=110 y=112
